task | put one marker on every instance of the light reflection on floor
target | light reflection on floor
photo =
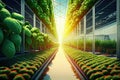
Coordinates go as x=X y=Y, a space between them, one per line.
x=60 y=68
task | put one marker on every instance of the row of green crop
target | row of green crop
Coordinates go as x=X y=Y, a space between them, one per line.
x=44 y=10
x=95 y=67
x=103 y=46
x=11 y=34
x=23 y=67
x=76 y=10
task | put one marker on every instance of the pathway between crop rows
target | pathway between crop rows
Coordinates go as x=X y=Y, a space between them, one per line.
x=60 y=68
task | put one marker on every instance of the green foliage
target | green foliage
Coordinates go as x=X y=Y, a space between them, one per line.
x=1 y=6
x=8 y=48
x=34 y=29
x=108 y=78
x=28 y=40
x=95 y=67
x=12 y=74
x=18 y=77
x=3 y=77
x=23 y=67
x=96 y=75
x=16 y=39
x=17 y=16
x=116 y=78
x=1 y=36
x=5 y=71
x=100 y=78
x=27 y=32
x=13 y=25
x=104 y=46
x=4 y=13
x=26 y=76
x=29 y=26
x=44 y=10
x=115 y=72
x=76 y=10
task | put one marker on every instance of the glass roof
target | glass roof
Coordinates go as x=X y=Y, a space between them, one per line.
x=60 y=9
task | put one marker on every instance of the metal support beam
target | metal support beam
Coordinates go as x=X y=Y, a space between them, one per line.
x=23 y=35
x=85 y=33
x=34 y=20
x=93 y=22
x=118 y=29
x=23 y=8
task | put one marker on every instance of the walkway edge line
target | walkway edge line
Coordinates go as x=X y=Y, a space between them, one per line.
x=39 y=72
x=76 y=67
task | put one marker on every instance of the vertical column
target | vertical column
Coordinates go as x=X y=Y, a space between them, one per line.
x=85 y=33
x=118 y=28
x=23 y=7
x=34 y=20
x=23 y=35
x=93 y=22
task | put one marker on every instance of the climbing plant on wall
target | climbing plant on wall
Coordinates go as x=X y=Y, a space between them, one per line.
x=76 y=10
x=44 y=10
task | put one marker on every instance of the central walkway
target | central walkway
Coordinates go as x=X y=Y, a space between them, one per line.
x=60 y=68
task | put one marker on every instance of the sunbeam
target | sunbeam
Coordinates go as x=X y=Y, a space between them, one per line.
x=60 y=28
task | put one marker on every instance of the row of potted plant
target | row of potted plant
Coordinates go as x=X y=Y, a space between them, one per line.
x=95 y=67
x=103 y=46
x=23 y=67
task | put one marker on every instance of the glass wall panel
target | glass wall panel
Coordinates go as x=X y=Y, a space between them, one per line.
x=13 y=5
x=37 y=23
x=106 y=27
x=28 y=15
x=89 y=28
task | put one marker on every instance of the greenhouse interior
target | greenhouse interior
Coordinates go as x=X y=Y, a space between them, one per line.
x=59 y=39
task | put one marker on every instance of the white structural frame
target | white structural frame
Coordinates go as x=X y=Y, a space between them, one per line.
x=34 y=20
x=23 y=35
x=85 y=33
x=93 y=29
x=118 y=29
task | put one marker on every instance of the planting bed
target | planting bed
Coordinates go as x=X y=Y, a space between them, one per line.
x=23 y=67
x=95 y=67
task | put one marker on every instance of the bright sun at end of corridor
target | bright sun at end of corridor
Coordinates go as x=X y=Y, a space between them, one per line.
x=60 y=21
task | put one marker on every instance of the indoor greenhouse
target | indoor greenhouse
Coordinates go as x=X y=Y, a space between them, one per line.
x=59 y=39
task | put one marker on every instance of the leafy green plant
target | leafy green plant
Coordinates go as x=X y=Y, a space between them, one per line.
x=76 y=10
x=94 y=66
x=17 y=16
x=1 y=36
x=26 y=76
x=4 y=13
x=8 y=48
x=3 y=77
x=19 y=77
x=12 y=74
x=95 y=76
x=44 y=10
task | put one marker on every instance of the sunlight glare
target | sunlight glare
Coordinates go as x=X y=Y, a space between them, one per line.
x=60 y=28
